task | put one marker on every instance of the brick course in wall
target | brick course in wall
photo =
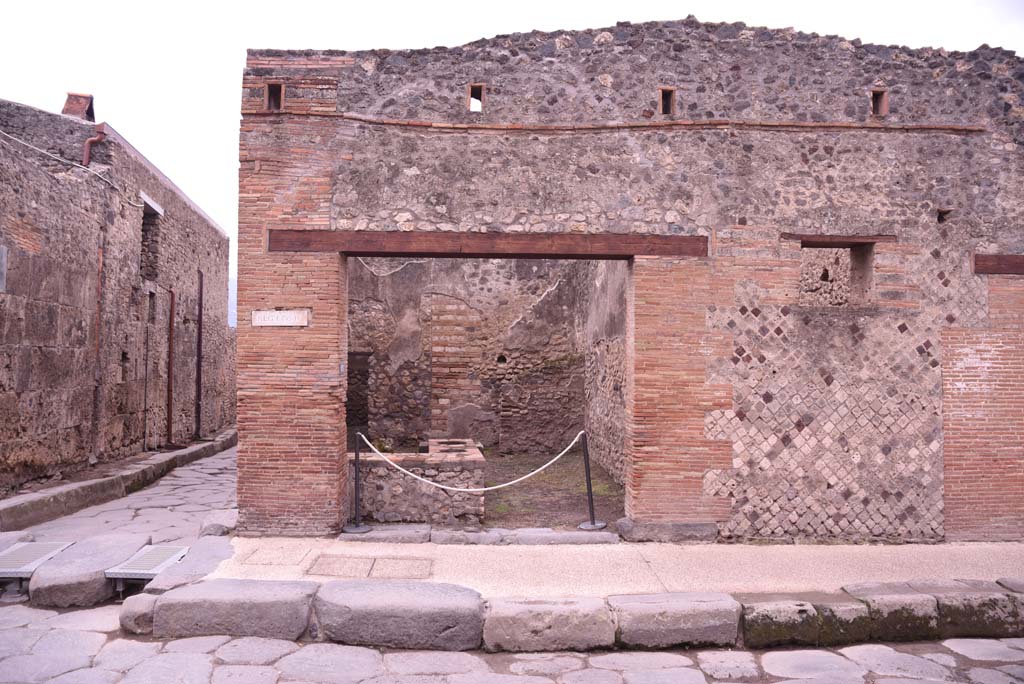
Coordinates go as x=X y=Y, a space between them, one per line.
x=752 y=403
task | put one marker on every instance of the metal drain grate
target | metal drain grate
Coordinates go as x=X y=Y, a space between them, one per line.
x=147 y=563
x=22 y=559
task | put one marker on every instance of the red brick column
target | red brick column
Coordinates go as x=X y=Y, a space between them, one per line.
x=667 y=396
x=291 y=394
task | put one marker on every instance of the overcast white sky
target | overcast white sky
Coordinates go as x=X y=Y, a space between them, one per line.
x=167 y=75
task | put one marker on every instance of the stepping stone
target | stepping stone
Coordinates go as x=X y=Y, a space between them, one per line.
x=432 y=662
x=123 y=654
x=984 y=649
x=811 y=664
x=885 y=660
x=676 y=619
x=548 y=625
x=180 y=668
x=255 y=651
x=75 y=576
x=728 y=664
x=639 y=661
x=235 y=607
x=397 y=614
x=330 y=664
x=137 y=614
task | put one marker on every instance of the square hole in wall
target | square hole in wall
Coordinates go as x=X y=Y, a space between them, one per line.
x=835 y=276
x=275 y=97
x=475 y=99
x=879 y=102
x=667 y=100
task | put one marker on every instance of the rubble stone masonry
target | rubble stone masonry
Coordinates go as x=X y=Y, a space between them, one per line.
x=86 y=303
x=745 y=394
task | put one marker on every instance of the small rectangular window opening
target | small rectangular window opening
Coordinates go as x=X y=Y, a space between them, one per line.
x=274 y=96
x=148 y=259
x=668 y=101
x=836 y=276
x=476 y=97
x=879 y=102
x=151 y=313
x=942 y=215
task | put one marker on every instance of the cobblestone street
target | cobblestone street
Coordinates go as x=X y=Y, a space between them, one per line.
x=170 y=510
x=84 y=647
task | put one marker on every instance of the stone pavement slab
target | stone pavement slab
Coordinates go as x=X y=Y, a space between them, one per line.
x=75 y=576
x=331 y=664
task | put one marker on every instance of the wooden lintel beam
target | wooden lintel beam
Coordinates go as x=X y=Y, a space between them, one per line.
x=999 y=264
x=813 y=240
x=487 y=245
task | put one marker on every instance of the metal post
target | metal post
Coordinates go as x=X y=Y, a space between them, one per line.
x=592 y=524
x=358 y=527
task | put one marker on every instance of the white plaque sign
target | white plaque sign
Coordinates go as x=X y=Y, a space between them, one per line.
x=287 y=318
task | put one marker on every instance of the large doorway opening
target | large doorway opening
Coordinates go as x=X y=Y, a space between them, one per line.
x=517 y=355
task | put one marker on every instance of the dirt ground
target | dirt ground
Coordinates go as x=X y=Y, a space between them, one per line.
x=556 y=498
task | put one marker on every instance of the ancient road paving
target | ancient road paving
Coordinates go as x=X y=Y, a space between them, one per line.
x=85 y=647
x=171 y=509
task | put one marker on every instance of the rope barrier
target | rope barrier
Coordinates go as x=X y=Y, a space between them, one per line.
x=471 y=490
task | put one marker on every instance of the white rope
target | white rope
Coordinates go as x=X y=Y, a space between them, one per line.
x=471 y=489
x=75 y=164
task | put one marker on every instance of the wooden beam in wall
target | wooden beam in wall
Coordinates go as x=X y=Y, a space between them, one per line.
x=487 y=245
x=999 y=264
x=811 y=240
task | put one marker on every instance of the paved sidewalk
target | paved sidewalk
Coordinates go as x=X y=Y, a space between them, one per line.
x=171 y=509
x=83 y=647
x=605 y=569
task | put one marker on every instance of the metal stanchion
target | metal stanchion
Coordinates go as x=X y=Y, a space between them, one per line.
x=591 y=524
x=358 y=527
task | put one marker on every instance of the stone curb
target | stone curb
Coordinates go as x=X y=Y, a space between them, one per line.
x=423 y=533
x=25 y=510
x=417 y=615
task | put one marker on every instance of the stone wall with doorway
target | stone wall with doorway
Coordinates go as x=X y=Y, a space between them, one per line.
x=759 y=400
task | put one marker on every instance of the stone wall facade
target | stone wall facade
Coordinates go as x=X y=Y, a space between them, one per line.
x=756 y=402
x=86 y=303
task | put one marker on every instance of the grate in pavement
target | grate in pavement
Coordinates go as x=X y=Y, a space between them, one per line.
x=21 y=559
x=147 y=563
